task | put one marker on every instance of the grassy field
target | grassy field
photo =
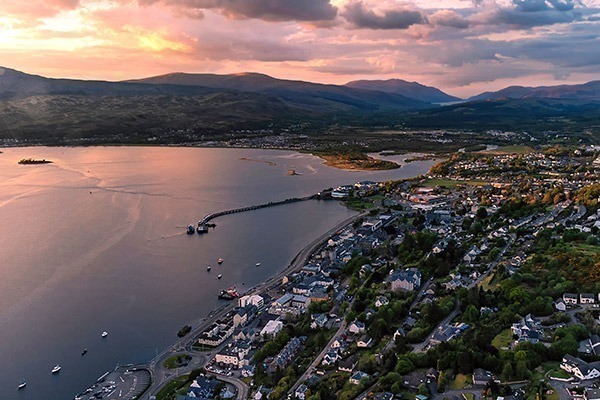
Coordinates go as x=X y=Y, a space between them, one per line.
x=449 y=183
x=503 y=339
x=460 y=381
x=559 y=373
x=170 y=389
x=176 y=361
x=510 y=150
x=587 y=249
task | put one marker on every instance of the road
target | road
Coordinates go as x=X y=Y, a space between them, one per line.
x=160 y=375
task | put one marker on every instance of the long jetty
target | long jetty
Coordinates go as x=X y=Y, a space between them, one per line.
x=212 y=216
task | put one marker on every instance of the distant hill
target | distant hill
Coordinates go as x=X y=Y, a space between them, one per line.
x=585 y=91
x=509 y=114
x=413 y=90
x=305 y=95
x=16 y=84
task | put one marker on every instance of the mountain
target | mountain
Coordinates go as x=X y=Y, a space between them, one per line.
x=585 y=91
x=413 y=90
x=16 y=84
x=305 y=95
x=534 y=115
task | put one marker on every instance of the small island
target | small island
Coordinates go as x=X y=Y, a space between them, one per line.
x=28 y=161
x=355 y=161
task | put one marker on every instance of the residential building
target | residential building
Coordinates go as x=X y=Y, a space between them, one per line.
x=406 y=279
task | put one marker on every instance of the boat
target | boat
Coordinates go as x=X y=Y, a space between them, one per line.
x=202 y=228
x=219 y=276
x=56 y=369
x=22 y=385
x=258 y=264
x=220 y=261
x=190 y=230
x=229 y=294
x=84 y=352
x=104 y=334
x=208 y=268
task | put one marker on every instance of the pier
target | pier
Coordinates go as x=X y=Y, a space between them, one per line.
x=212 y=216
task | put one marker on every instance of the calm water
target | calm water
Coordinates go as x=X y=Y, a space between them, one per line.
x=95 y=242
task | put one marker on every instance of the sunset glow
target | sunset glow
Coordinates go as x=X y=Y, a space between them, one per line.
x=463 y=47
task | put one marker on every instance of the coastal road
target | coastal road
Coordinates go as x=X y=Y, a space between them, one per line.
x=160 y=375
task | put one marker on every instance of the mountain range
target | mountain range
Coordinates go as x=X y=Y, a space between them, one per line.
x=32 y=106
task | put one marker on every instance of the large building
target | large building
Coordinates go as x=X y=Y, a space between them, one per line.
x=405 y=279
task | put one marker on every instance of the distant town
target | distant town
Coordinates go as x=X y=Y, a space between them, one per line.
x=480 y=280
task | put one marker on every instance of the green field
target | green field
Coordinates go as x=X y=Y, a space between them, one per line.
x=503 y=339
x=510 y=150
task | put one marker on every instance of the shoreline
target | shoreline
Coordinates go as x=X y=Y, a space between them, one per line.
x=297 y=262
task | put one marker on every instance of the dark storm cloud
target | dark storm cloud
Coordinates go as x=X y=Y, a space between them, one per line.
x=268 y=10
x=401 y=18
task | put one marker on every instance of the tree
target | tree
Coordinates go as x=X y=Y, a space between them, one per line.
x=507 y=371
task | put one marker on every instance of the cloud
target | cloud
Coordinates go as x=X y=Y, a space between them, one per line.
x=399 y=18
x=268 y=10
x=531 y=13
x=448 y=18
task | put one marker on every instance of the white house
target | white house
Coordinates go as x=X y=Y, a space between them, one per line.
x=271 y=329
x=580 y=368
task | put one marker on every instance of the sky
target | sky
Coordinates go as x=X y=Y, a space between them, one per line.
x=463 y=47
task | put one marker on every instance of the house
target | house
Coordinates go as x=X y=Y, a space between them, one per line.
x=381 y=301
x=271 y=329
x=570 y=299
x=244 y=334
x=331 y=357
x=318 y=295
x=590 y=346
x=202 y=387
x=245 y=314
x=415 y=379
x=358 y=376
x=233 y=356
x=287 y=355
x=318 y=321
x=481 y=377
x=587 y=298
x=348 y=364
x=364 y=341
x=301 y=392
x=527 y=330
x=560 y=305
x=407 y=279
x=580 y=368
x=356 y=327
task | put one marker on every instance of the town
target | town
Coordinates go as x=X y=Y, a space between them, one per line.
x=480 y=280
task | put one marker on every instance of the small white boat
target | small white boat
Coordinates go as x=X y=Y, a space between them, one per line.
x=104 y=334
x=219 y=276
x=56 y=369
x=258 y=264
x=208 y=268
x=22 y=385
x=220 y=261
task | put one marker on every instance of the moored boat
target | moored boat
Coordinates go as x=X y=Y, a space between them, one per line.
x=84 y=352
x=22 y=385
x=219 y=276
x=220 y=261
x=190 y=230
x=208 y=268
x=104 y=334
x=258 y=264
x=202 y=228
x=56 y=369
